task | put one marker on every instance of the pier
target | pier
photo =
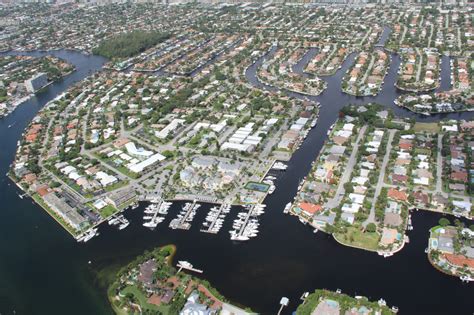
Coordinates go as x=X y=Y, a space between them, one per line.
x=246 y=220
x=246 y=227
x=181 y=223
x=159 y=204
x=187 y=266
x=211 y=229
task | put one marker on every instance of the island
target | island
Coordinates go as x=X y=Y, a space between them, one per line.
x=151 y=285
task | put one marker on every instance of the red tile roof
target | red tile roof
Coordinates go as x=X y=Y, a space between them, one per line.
x=310 y=208
x=459 y=260
x=397 y=195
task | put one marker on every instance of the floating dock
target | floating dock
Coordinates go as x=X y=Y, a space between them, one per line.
x=182 y=223
x=211 y=229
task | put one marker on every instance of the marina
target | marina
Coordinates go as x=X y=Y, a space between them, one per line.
x=120 y=221
x=155 y=212
x=246 y=225
x=185 y=216
x=215 y=219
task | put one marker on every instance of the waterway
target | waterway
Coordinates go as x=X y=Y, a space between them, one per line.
x=45 y=271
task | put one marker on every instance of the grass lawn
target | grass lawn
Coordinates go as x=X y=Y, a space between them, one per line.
x=357 y=238
x=117 y=185
x=107 y=211
x=428 y=127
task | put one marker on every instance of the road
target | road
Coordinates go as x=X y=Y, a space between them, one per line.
x=380 y=183
x=369 y=70
x=418 y=70
x=402 y=38
x=439 y=165
x=431 y=35
x=334 y=202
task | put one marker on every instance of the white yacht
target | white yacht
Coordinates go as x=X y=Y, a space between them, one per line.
x=123 y=225
x=466 y=278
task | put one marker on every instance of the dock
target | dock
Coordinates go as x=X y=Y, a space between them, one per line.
x=247 y=218
x=159 y=203
x=211 y=228
x=181 y=223
x=243 y=229
x=187 y=266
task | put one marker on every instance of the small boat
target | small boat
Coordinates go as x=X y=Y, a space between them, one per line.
x=287 y=208
x=113 y=221
x=123 y=225
x=466 y=278
x=150 y=224
x=271 y=189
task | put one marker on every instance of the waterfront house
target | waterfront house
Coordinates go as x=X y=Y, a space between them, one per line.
x=397 y=195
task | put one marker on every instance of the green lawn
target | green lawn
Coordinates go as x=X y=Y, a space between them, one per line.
x=427 y=127
x=357 y=238
x=117 y=185
x=107 y=211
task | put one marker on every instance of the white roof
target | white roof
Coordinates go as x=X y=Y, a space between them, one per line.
x=133 y=150
x=139 y=167
x=235 y=146
x=348 y=127
x=357 y=198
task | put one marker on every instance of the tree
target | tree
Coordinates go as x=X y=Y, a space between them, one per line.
x=444 y=222
x=371 y=228
x=348 y=188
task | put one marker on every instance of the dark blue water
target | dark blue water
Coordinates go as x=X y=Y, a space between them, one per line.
x=44 y=271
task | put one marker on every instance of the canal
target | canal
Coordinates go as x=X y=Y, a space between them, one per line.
x=44 y=271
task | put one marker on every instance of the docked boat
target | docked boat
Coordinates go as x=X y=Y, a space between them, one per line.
x=466 y=278
x=124 y=225
x=88 y=235
x=287 y=208
x=113 y=221
x=271 y=190
x=279 y=166
x=150 y=224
